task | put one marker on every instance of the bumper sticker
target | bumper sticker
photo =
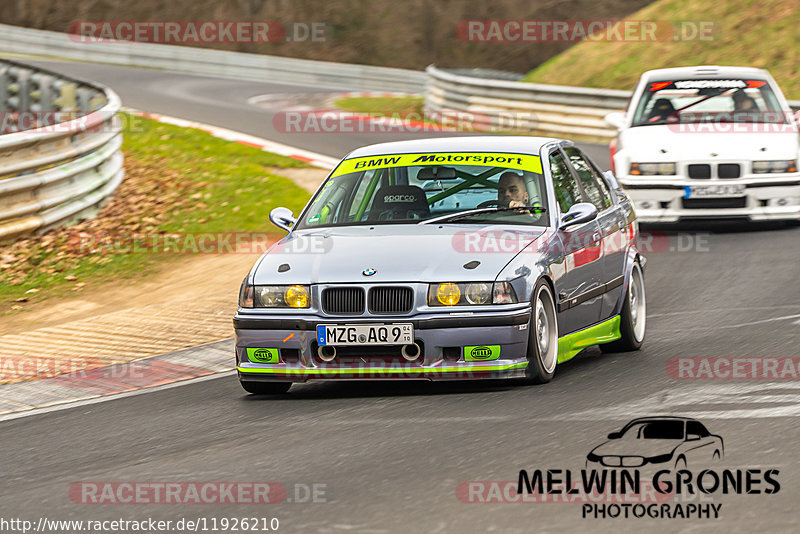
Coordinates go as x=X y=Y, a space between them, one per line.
x=262 y=355
x=482 y=353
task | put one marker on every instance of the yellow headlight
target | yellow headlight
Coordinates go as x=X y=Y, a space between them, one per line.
x=448 y=294
x=296 y=297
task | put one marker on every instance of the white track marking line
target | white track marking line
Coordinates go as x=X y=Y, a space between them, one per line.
x=97 y=400
x=313 y=158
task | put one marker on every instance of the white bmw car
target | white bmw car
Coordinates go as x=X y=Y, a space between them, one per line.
x=708 y=142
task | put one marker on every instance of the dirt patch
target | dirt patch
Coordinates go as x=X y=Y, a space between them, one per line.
x=215 y=277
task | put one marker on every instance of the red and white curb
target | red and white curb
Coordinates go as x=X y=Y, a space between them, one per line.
x=106 y=383
x=312 y=158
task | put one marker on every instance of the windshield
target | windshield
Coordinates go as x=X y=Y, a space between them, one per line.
x=655 y=430
x=413 y=188
x=692 y=101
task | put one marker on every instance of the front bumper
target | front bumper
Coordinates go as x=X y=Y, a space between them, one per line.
x=441 y=336
x=766 y=199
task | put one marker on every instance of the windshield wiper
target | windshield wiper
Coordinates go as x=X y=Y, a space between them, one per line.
x=480 y=211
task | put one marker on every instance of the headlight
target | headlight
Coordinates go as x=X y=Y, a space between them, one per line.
x=781 y=166
x=448 y=294
x=281 y=296
x=470 y=293
x=652 y=169
x=478 y=293
x=660 y=459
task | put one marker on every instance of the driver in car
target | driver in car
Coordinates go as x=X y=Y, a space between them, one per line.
x=511 y=191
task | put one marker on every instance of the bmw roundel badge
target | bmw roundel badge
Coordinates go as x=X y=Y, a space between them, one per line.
x=369 y=271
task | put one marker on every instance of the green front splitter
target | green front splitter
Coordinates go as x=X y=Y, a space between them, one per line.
x=378 y=371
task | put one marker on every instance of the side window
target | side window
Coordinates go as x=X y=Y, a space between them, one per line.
x=694 y=427
x=593 y=185
x=567 y=192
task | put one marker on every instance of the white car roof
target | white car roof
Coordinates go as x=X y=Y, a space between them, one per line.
x=704 y=72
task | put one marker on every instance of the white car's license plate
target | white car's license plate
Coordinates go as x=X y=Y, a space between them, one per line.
x=714 y=191
x=365 y=334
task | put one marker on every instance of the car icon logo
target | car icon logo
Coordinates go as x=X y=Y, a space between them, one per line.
x=368 y=271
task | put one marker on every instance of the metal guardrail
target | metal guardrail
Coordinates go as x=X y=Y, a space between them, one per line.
x=52 y=170
x=549 y=110
x=258 y=67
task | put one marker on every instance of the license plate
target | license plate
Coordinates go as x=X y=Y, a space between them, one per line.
x=714 y=191
x=365 y=334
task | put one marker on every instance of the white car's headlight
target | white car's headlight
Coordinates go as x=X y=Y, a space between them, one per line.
x=470 y=294
x=294 y=296
x=652 y=169
x=780 y=166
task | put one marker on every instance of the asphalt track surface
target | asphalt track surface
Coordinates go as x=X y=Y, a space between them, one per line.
x=391 y=455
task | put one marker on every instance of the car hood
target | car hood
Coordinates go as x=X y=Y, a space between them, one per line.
x=423 y=253
x=636 y=447
x=663 y=143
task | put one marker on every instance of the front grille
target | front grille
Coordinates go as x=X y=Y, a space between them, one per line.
x=343 y=300
x=714 y=203
x=391 y=299
x=729 y=170
x=698 y=170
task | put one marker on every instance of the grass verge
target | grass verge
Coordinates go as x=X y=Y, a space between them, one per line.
x=179 y=183
x=762 y=34
x=400 y=106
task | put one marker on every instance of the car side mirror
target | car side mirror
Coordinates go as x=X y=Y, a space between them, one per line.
x=614 y=435
x=283 y=218
x=692 y=437
x=615 y=119
x=578 y=214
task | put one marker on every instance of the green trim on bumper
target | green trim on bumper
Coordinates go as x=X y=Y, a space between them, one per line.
x=377 y=371
x=572 y=344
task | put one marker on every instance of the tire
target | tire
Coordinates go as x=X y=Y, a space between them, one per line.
x=266 y=388
x=633 y=319
x=542 y=336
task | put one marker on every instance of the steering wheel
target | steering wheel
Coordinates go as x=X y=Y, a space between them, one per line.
x=486 y=204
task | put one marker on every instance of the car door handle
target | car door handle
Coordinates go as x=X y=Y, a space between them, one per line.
x=621 y=224
x=596 y=236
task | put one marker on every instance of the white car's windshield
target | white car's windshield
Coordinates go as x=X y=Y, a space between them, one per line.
x=413 y=188
x=693 y=101
x=655 y=430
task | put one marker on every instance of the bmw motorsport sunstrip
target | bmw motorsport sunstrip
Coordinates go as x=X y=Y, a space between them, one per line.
x=454 y=258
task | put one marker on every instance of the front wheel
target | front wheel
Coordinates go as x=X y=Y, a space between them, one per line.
x=633 y=320
x=266 y=388
x=543 y=336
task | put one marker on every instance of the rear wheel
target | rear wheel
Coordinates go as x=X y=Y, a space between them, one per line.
x=633 y=319
x=266 y=388
x=543 y=336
